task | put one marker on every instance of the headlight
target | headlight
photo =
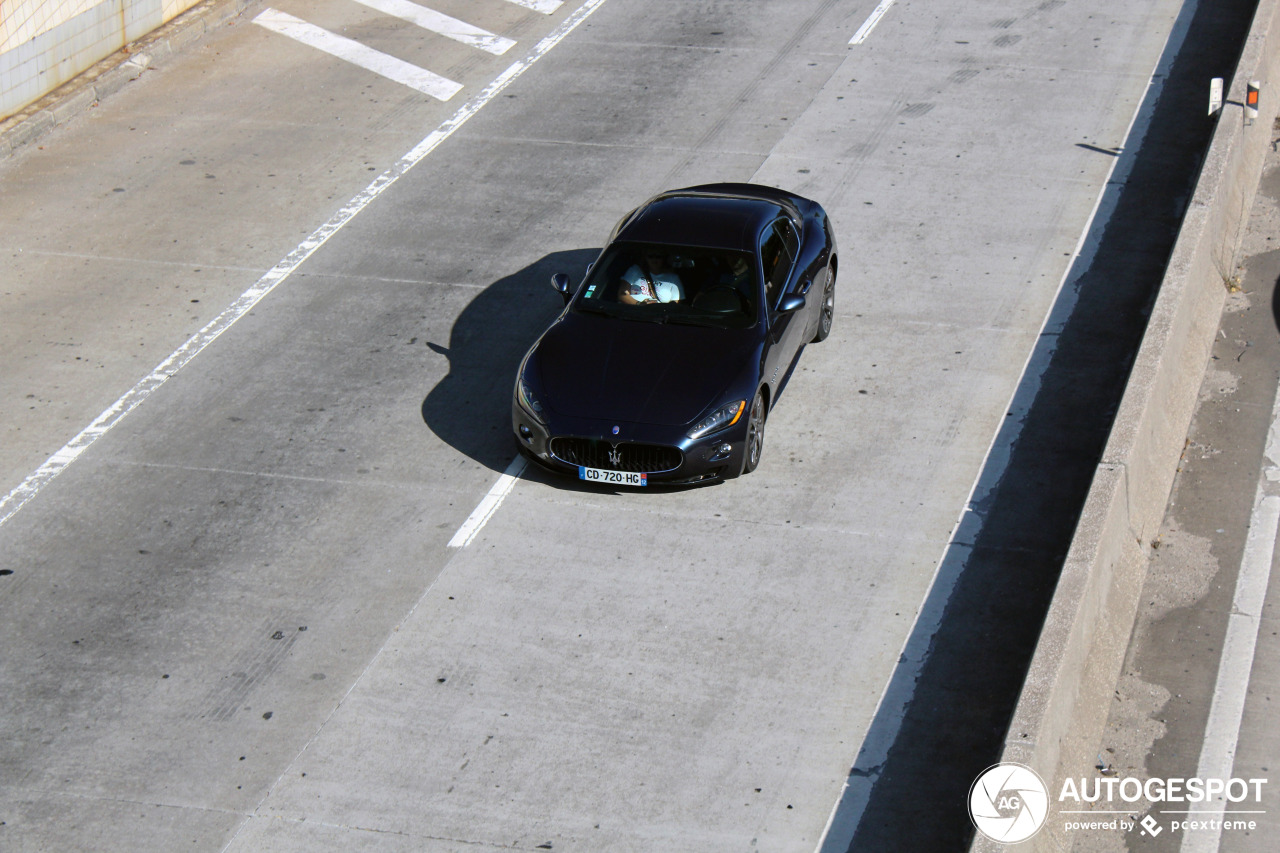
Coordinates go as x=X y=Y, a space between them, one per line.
x=725 y=416
x=527 y=399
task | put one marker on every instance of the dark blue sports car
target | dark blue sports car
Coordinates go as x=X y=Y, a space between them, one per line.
x=669 y=355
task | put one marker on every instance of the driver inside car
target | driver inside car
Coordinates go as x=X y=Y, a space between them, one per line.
x=651 y=281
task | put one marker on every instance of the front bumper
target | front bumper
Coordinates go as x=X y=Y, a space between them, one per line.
x=563 y=444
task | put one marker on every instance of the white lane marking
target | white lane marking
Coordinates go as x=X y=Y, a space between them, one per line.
x=58 y=462
x=546 y=7
x=870 y=24
x=1231 y=690
x=488 y=505
x=354 y=52
x=442 y=24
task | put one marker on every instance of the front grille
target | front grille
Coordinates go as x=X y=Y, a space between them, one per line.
x=629 y=456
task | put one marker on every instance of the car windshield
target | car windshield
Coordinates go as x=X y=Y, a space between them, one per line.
x=673 y=284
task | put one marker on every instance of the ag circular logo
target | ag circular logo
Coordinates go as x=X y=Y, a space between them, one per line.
x=1008 y=803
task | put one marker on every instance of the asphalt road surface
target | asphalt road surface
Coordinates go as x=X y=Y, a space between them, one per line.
x=232 y=617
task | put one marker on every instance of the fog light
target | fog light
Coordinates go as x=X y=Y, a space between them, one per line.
x=526 y=433
x=721 y=451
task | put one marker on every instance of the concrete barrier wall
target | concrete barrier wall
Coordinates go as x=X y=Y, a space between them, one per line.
x=60 y=39
x=1059 y=720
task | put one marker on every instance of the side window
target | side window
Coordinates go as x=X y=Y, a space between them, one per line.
x=771 y=257
x=790 y=240
x=778 y=254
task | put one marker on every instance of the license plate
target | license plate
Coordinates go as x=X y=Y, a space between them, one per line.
x=617 y=478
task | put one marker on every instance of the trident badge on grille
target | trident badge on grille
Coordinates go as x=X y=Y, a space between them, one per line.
x=615 y=456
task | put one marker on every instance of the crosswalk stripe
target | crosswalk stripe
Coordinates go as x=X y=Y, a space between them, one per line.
x=376 y=61
x=442 y=24
x=546 y=7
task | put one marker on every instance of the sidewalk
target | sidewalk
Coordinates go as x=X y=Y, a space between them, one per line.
x=111 y=74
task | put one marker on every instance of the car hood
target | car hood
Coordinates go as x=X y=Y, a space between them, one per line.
x=612 y=369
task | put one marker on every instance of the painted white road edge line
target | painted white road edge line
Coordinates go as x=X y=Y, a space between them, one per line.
x=1230 y=691
x=870 y=24
x=488 y=505
x=441 y=24
x=58 y=462
x=393 y=68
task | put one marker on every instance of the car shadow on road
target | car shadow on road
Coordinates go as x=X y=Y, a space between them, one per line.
x=470 y=409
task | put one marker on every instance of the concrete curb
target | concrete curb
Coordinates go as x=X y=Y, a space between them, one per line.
x=113 y=73
x=1059 y=720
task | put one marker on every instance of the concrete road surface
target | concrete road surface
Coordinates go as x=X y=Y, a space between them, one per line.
x=233 y=620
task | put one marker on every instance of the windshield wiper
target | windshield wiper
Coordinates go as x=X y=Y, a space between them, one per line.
x=622 y=312
x=694 y=321
x=644 y=316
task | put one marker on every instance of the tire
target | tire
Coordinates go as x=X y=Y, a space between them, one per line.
x=828 y=310
x=755 y=434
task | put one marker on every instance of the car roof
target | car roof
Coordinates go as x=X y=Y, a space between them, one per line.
x=699 y=218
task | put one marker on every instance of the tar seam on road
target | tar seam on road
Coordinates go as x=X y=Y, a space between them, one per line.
x=846 y=815
x=1222 y=729
x=58 y=462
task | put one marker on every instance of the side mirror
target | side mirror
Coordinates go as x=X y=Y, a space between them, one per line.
x=560 y=282
x=791 y=304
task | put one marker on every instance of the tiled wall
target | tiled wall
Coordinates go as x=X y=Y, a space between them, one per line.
x=23 y=20
x=44 y=43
